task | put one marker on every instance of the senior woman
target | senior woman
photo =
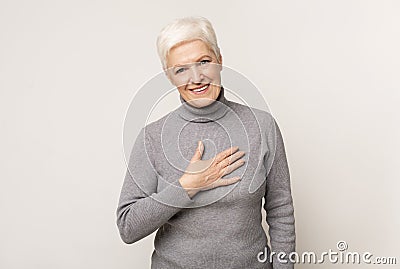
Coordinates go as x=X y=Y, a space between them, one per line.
x=198 y=174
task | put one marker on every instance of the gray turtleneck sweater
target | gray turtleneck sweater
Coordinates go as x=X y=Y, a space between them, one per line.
x=217 y=228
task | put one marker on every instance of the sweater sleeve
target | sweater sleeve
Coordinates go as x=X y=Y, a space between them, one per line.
x=141 y=209
x=279 y=206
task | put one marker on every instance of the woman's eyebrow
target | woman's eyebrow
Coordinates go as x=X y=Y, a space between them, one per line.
x=205 y=55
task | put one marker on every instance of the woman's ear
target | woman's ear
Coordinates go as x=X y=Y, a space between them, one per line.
x=220 y=62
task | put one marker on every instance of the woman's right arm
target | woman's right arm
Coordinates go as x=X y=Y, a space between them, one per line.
x=139 y=211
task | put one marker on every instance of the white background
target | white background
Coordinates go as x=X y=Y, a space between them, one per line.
x=68 y=69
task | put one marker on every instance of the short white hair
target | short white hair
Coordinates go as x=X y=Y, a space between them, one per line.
x=184 y=30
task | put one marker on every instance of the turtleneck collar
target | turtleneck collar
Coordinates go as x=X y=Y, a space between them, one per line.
x=211 y=112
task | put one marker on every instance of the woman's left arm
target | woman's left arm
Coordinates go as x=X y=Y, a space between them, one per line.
x=279 y=206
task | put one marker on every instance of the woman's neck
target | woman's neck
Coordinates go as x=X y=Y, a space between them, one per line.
x=212 y=112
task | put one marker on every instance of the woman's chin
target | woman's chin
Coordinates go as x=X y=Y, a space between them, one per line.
x=201 y=101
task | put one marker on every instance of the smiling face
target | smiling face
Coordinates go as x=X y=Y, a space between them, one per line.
x=196 y=72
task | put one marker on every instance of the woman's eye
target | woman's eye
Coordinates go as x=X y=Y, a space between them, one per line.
x=204 y=62
x=180 y=70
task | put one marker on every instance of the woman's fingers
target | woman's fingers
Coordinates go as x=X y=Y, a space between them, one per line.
x=222 y=155
x=199 y=152
x=225 y=181
x=230 y=159
x=221 y=182
x=227 y=170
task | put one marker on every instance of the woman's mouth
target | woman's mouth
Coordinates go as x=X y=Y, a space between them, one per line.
x=200 y=90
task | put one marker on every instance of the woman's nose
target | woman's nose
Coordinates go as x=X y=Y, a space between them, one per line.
x=196 y=75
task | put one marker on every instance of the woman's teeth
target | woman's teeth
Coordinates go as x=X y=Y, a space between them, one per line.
x=201 y=89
